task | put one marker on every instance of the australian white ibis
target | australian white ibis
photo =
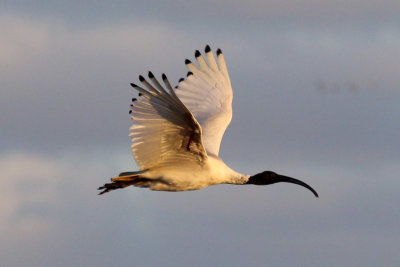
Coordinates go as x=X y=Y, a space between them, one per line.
x=176 y=134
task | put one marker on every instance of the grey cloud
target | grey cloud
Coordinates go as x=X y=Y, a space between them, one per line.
x=183 y=14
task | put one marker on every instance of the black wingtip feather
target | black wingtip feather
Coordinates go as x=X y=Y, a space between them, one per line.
x=164 y=77
x=133 y=85
x=207 y=49
x=130 y=111
x=219 y=52
x=134 y=99
x=140 y=94
x=151 y=76
x=187 y=61
x=141 y=78
x=181 y=80
x=189 y=73
x=197 y=53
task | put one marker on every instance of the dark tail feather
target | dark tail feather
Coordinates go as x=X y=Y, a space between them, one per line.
x=131 y=173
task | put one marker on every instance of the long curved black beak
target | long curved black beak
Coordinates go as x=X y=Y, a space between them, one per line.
x=287 y=179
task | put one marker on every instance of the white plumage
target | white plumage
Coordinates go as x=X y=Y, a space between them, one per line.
x=176 y=134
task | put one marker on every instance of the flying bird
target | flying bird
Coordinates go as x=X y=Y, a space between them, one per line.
x=176 y=134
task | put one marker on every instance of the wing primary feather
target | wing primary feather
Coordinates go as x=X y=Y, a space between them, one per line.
x=219 y=51
x=156 y=83
x=211 y=59
x=202 y=72
x=197 y=53
x=167 y=84
x=148 y=85
x=202 y=63
x=142 y=91
x=192 y=67
x=161 y=89
x=171 y=91
x=222 y=64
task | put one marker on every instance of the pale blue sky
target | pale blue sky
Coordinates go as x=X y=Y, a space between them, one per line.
x=316 y=93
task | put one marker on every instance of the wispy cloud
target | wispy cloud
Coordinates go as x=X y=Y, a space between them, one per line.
x=28 y=186
x=22 y=40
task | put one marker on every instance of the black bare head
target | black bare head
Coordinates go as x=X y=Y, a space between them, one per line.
x=269 y=177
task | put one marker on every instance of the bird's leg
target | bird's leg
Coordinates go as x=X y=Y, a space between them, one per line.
x=114 y=185
x=119 y=182
x=124 y=181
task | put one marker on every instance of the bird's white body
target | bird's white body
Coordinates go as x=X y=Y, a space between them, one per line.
x=193 y=176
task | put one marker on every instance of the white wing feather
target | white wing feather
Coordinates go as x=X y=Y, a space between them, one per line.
x=208 y=95
x=164 y=131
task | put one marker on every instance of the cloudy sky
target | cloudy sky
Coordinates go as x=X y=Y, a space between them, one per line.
x=316 y=97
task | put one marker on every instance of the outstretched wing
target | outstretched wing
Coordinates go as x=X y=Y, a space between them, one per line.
x=164 y=131
x=207 y=92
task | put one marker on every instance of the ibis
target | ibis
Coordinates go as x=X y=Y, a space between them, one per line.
x=177 y=132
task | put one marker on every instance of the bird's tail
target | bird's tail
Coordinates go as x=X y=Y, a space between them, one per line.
x=123 y=180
